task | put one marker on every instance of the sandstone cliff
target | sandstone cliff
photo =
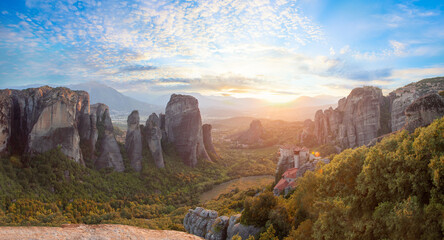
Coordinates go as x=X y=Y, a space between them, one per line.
x=208 y=141
x=36 y=120
x=106 y=145
x=183 y=126
x=423 y=111
x=366 y=115
x=153 y=135
x=133 y=141
x=253 y=135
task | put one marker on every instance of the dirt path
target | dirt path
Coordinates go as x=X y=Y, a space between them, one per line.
x=96 y=232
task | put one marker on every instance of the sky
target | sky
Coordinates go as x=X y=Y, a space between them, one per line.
x=272 y=50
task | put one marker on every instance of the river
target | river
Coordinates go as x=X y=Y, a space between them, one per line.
x=242 y=183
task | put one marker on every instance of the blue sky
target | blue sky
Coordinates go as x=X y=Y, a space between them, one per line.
x=275 y=50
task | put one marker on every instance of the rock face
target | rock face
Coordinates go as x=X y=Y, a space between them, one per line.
x=208 y=141
x=310 y=166
x=423 y=111
x=106 y=144
x=254 y=134
x=207 y=224
x=234 y=227
x=183 y=126
x=36 y=120
x=154 y=139
x=401 y=98
x=366 y=115
x=133 y=141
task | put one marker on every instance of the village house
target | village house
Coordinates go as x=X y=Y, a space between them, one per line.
x=287 y=182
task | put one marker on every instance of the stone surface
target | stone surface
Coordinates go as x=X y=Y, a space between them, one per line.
x=208 y=142
x=133 y=141
x=206 y=223
x=310 y=166
x=234 y=227
x=40 y=119
x=183 y=126
x=106 y=145
x=253 y=135
x=154 y=139
x=423 y=111
x=402 y=97
x=101 y=231
x=366 y=114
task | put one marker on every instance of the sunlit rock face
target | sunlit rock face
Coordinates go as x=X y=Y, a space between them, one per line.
x=106 y=145
x=183 y=125
x=133 y=141
x=423 y=111
x=36 y=120
x=366 y=114
x=354 y=122
x=208 y=141
x=154 y=139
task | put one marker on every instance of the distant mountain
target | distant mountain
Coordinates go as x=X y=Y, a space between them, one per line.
x=116 y=101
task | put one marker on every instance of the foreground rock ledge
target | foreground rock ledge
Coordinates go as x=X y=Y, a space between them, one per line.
x=102 y=232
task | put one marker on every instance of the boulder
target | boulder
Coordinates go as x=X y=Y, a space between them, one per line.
x=133 y=141
x=208 y=141
x=154 y=139
x=183 y=126
x=106 y=145
x=423 y=111
x=206 y=224
x=236 y=228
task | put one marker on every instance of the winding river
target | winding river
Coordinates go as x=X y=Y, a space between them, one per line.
x=242 y=183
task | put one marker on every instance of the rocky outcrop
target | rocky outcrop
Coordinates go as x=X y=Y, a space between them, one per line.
x=208 y=142
x=183 y=126
x=243 y=231
x=207 y=224
x=366 y=115
x=109 y=151
x=154 y=138
x=423 y=111
x=401 y=98
x=133 y=141
x=253 y=135
x=36 y=120
x=310 y=165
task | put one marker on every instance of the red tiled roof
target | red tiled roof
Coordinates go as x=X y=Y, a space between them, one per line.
x=281 y=185
x=290 y=173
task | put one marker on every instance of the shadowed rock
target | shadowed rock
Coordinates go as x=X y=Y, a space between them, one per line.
x=423 y=111
x=183 y=126
x=133 y=141
x=109 y=151
x=154 y=138
x=208 y=142
x=254 y=134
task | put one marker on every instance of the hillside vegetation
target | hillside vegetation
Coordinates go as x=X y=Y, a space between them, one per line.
x=394 y=190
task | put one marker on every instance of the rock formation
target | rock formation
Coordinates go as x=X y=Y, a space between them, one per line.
x=207 y=224
x=109 y=150
x=133 y=141
x=208 y=141
x=423 y=111
x=253 y=135
x=366 y=115
x=36 y=120
x=183 y=126
x=153 y=135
